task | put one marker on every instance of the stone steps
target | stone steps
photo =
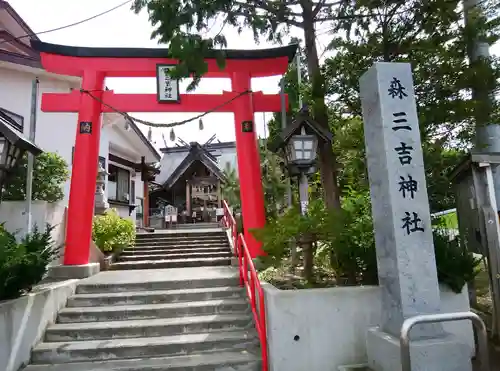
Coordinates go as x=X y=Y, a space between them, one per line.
x=98 y=350
x=217 y=233
x=195 y=226
x=149 y=285
x=151 y=311
x=220 y=361
x=171 y=250
x=154 y=296
x=147 y=328
x=180 y=263
x=194 y=249
x=190 y=242
x=190 y=255
x=190 y=319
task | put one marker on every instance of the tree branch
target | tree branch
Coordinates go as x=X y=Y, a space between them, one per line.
x=281 y=17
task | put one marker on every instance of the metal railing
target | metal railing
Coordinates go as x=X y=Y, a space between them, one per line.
x=250 y=281
x=482 y=336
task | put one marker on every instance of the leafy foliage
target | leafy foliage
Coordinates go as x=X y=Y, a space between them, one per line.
x=231 y=188
x=455 y=265
x=273 y=181
x=50 y=172
x=110 y=232
x=346 y=240
x=24 y=264
x=432 y=36
x=185 y=26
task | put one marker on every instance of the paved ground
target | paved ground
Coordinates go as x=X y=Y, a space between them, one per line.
x=494 y=360
x=160 y=275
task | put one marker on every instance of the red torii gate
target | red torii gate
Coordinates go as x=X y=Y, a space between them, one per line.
x=93 y=65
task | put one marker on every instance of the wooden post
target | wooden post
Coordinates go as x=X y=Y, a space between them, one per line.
x=188 y=198
x=145 y=211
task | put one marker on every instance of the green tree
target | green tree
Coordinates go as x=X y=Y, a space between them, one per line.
x=50 y=172
x=231 y=187
x=432 y=36
x=273 y=181
x=181 y=25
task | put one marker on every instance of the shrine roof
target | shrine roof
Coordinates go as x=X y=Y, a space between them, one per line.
x=112 y=52
x=196 y=153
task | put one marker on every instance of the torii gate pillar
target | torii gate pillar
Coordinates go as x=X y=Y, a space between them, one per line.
x=249 y=173
x=84 y=172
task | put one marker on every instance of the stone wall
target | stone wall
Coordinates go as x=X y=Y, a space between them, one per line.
x=13 y=214
x=23 y=321
x=322 y=329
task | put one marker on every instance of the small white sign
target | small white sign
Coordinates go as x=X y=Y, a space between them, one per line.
x=170 y=210
x=167 y=88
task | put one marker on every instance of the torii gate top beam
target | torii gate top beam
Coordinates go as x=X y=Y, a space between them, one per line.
x=141 y=62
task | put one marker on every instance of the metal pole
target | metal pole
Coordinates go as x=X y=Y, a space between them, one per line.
x=487 y=138
x=32 y=133
x=487 y=133
x=482 y=345
x=299 y=77
x=494 y=254
x=289 y=201
x=304 y=193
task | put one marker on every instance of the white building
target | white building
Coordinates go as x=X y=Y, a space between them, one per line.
x=122 y=145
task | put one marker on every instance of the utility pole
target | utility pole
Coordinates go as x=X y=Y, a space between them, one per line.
x=299 y=77
x=31 y=159
x=487 y=141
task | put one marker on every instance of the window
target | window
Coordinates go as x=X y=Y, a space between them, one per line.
x=132 y=192
x=118 y=184
x=16 y=121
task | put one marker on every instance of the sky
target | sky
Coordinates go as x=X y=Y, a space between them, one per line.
x=123 y=28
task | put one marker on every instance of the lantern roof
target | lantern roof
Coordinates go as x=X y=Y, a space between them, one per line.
x=16 y=138
x=302 y=119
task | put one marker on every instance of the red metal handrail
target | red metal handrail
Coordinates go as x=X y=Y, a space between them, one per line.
x=229 y=222
x=249 y=280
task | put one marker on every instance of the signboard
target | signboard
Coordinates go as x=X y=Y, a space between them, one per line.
x=170 y=210
x=247 y=126
x=85 y=127
x=167 y=88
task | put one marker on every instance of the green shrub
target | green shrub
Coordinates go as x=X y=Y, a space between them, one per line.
x=455 y=265
x=23 y=265
x=345 y=240
x=111 y=232
x=50 y=172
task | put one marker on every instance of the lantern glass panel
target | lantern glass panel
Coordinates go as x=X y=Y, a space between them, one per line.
x=301 y=148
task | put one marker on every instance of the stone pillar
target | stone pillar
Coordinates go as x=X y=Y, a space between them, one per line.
x=219 y=194
x=402 y=223
x=145 y=201
x=188 y=199
x=101 y=201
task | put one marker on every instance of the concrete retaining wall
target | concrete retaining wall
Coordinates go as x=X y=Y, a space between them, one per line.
x=23 y=321
x=322 y=329
x=13 y=213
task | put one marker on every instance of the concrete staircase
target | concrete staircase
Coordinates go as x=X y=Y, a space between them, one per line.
x=192 y=318
x=177 y=249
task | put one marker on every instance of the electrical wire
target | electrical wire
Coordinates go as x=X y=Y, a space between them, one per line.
x=321 y=32
x=68 y=25
x=163 y=125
